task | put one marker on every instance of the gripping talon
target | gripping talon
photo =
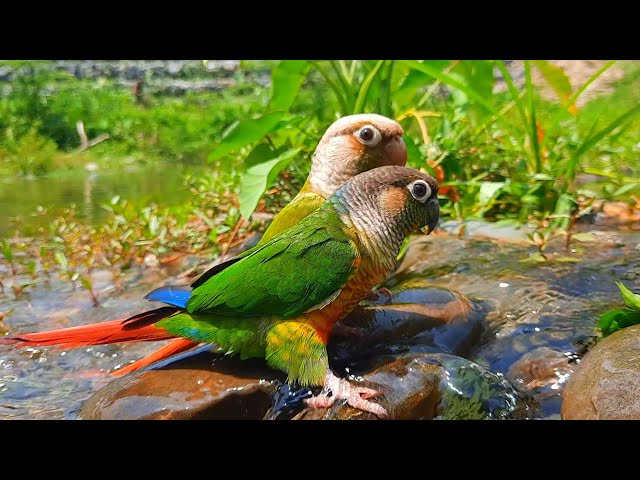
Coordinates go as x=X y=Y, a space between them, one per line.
x=356 y=396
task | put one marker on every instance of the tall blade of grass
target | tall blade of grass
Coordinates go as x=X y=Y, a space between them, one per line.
x=345 y=71
x=435 y=85
x=572 y=99
x=592 y=140
x=334 y=86
x=533 y=129
x=364 y=88
x=347 y=87
x=451 y=81
x=385 y=92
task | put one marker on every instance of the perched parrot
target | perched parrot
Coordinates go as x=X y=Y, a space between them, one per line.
x=351 y=145
x=280 y=300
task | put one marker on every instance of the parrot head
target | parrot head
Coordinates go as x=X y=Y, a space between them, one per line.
x=352 y=145
x=389 y=203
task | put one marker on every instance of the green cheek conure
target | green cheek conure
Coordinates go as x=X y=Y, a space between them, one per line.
x=280 y=300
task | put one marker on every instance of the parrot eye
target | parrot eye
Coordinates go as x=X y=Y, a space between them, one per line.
x=420 y=190
x=369 y=136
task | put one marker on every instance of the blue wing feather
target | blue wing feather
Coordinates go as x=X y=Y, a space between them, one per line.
x=171 y=295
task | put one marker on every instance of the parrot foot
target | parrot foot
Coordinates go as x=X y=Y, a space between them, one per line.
x=355 y=396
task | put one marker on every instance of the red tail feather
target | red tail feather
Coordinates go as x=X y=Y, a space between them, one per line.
x=179 y=345
x=140 y=328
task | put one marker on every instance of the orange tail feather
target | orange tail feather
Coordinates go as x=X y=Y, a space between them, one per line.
x=179 y=345
x=140 y=328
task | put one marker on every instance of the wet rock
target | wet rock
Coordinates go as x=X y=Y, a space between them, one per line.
x=434 y=386
x=606 y=384
x=418 y=314
x=542 y=373
x=420 y=319
x=195 y=387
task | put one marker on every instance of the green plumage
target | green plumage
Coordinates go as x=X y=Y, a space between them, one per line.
x=253 y=305
x=296 y=271
x=305 y=203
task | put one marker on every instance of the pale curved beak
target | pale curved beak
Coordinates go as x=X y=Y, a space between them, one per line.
x=395 y=151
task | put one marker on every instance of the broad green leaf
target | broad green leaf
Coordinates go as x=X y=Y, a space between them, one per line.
x=449 y=80
x=631 y=300
x=256 y=179
x=245 y=132
x=556 y=78
x=616 y=319
x=286 y=80
x=414 y=156
x=488 y=190
x=6 y=250
x=260 y=154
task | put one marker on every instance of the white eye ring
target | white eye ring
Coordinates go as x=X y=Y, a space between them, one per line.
x=368 y=135
x=420 y=190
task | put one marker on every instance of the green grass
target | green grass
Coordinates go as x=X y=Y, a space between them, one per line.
x=509 y=156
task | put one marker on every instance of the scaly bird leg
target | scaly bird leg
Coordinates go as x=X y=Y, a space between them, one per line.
x=343 y=390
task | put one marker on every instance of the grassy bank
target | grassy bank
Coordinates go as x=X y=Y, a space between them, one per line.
x=511 y=154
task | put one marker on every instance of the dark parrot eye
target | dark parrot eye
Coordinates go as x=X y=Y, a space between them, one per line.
x=369 y=136
x=420 y=190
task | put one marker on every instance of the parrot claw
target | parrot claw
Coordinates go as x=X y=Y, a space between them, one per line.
x=355 y=396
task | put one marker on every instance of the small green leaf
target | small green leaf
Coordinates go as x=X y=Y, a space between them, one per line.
x=61 y=259
x=286 y=80
x=260 y=154
x=488 y=190
x=631 y=300
x=543 y=177
x=86 y=283
x=245 y=132
x=584 y=237
x=256 y=179
x=6 y=250
x=568 y=260
x=534 y=258
x=556 y=78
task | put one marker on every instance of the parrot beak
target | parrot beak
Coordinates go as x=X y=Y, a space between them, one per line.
x=433 y=215
x=395 y=151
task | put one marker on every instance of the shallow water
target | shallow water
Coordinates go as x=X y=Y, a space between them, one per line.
x=545 y=309
x=20 y=196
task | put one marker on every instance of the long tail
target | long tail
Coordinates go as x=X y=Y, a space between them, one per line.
x=177 y=346
x=139 y=328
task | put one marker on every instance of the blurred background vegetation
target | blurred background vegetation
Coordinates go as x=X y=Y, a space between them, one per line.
x=106 y=163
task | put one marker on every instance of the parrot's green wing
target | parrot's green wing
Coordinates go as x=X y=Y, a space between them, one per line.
x=302 y=269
